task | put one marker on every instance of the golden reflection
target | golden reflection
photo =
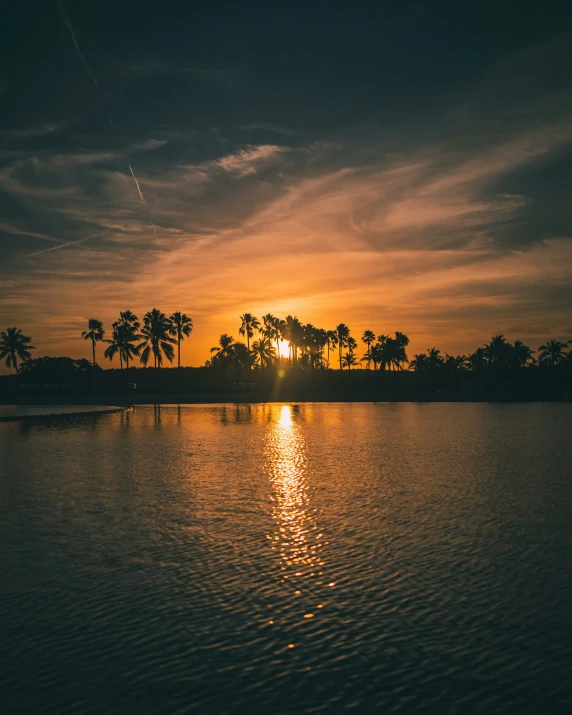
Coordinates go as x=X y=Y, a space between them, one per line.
x=296 y=535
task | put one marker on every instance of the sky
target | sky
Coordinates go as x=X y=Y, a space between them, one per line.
x=394 y=166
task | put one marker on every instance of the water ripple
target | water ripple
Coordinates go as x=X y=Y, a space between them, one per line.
x=282 y=559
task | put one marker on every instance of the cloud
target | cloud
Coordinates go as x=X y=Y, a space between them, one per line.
x=427 y=227
x=248 y=160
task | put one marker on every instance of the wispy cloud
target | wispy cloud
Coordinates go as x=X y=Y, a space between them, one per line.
x=248 y=160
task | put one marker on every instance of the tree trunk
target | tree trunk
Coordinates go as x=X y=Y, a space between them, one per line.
x=179 y=351
x=93 y=348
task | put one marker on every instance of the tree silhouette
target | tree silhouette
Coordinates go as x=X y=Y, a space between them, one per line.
x=552 y=353
x=247 y=327
x=95 y=333
x=368 y=338
x=241 y=357
x=264 y=352
x=182 y=327
x=342 y=335
x=127 y=336
x=331 y=344
x=522 y=355
x=14 y=346
x=114 y=346
x=157 y=339
x=349 y=360
x=223 y=352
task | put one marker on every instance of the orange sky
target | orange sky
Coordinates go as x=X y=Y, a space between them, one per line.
x=448 y=230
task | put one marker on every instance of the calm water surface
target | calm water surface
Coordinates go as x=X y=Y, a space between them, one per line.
x=395 y=558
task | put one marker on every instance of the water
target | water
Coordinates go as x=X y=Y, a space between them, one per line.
x=11 y=412
x=395 y=558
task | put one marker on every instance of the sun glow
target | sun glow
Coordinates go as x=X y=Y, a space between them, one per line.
x=283 y=345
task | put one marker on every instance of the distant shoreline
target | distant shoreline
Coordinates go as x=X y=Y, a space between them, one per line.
x=230 y=397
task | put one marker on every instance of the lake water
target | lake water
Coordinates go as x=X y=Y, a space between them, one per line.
x=391 y=558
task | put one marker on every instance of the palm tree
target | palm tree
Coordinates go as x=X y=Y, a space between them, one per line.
x=552 y=353
x=127 y=317
x=114 y=346
x=247 y=327
x=522 y=355
x=420 y=363
x=182 y=327
x=321 y=340
x=478 y=360
x=332 y=343
x=498 y=350
x=348 y=360
x=125 y=337
x=123 y=343
x=95 y=333
x=434 y=359
x=157 y=340
x=264 y=352
x=269 y=329
x=342 y=335
x=223 y=351
x=241 y=357
x=294 y=333
x=368 y=338
x=280 y=328
x=14 y=346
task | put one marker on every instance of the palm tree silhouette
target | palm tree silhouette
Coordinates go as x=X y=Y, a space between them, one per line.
x=294 y=333
x=123 y=343
x=321 y=340
x=127 y=336
x=498 y=350
x=269 y=329
x=14 y=346
x=420 y=363
x=95 y=333
x=223 y=351
x=280 y=326
x=342 y=335
x=332 y=343
x=241 y=357
x=348 y=360
x=114 y=346
x=552 y=353
x=182 y=327
x=368 y=338
x=522 y=354
x=264 y=352
x=247 y=327
x=478 y=360
x=157 y=340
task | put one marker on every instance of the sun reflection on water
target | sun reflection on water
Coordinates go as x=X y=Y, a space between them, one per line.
x=296 y=534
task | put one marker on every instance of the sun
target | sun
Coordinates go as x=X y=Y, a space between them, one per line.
x=283 y=344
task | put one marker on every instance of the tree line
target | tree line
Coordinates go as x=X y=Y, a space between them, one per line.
x=308 y=346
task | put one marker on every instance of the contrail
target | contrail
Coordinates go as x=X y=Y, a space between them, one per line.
x=63 y=245
x=66 y=19
x=93 y=79
x=137 y=184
